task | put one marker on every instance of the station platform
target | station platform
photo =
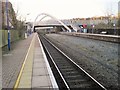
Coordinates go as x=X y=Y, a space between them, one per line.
x=35 y=71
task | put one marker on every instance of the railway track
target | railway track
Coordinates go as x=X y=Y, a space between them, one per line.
x=67 y=73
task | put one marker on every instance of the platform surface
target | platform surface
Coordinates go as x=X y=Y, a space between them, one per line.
x=35 y=71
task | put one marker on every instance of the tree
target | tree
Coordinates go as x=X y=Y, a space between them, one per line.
x=101 y=26
x=18 y=24
x=11 y=15
x=109 y=14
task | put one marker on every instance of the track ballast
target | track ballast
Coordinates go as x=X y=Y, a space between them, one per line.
x=70 y=75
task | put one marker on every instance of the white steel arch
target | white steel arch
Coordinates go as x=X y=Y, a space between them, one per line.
x=48 y=15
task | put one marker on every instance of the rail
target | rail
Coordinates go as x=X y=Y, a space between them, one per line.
x=73 y=76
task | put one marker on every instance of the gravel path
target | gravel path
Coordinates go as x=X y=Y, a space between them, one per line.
x=99 y=58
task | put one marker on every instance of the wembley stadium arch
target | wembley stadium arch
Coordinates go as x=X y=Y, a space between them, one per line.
x=52 y=17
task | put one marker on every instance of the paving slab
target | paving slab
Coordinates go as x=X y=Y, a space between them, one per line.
x=41 y=73
x=25 y=75
x=27 y=54
x=12 y=61
x=41 y=81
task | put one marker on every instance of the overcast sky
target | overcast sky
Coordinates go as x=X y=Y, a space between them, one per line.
x=65 y=9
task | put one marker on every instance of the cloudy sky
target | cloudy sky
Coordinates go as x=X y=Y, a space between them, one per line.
x=65 y=9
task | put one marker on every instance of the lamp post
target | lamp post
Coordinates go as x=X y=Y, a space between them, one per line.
x=8 y=25
x=113 y=21
x=28 y=27
x=114 y=28
x=93 y=28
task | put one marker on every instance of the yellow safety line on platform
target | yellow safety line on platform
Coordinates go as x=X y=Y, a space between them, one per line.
x=23 y=65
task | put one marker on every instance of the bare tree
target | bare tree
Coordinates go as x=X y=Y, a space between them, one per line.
x=108 y=14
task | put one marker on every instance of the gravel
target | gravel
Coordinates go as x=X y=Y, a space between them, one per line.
x=98 y=58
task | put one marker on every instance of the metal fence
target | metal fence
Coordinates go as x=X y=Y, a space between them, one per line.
x=0 y=38
x=14 y=35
